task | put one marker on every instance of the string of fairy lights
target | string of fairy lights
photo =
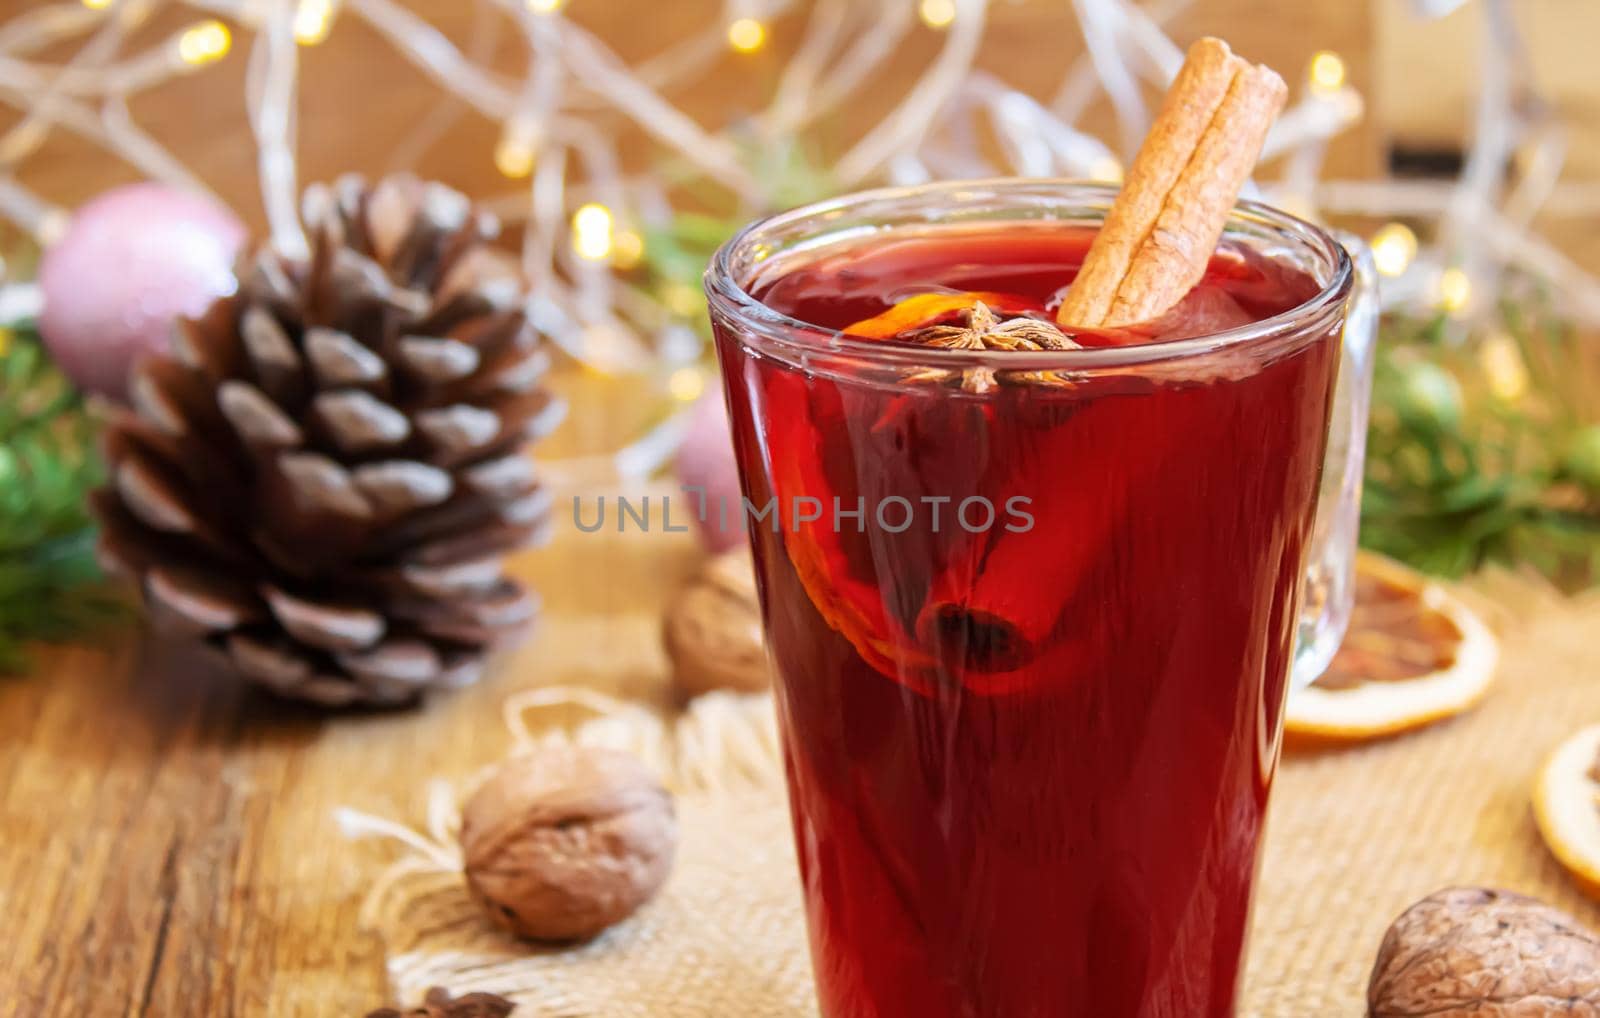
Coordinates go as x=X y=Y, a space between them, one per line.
x=584 y=219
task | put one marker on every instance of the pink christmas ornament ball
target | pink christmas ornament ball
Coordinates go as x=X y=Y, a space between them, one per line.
x=705 y=460
x=130 y=263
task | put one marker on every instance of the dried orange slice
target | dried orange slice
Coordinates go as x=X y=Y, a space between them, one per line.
x=1414 y=654
x=927 y=308
x=1566 y=805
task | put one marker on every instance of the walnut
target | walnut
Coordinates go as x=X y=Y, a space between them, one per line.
x=1469 y=951
x=565 y=841
x=712 y=630
x=439 y=1004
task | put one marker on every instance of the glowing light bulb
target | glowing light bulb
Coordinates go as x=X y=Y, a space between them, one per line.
x=1503 y=366
x=1107 y=169
x=312 y=21
x=1393 y=248
x=1455 y=291
x=746 y=35
x=205 y=43
x=593 y=227
x=1327 y=73
x=546 y=6
x=52 y=226
x=627 y=250
x=683 y=300
x=606 y=349
x=514 y=157
x=686 y=384
x=937 y=13
x=98 y=5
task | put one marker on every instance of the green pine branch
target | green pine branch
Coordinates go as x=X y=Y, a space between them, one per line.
x=50 y=586
x=1465 y=469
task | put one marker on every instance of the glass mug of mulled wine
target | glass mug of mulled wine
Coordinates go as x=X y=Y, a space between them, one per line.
x=1034 y=612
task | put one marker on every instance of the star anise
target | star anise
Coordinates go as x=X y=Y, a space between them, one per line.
x=984 y=331
x=439 y=1004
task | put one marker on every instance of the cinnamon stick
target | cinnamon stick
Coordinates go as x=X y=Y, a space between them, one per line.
x=1164 y=225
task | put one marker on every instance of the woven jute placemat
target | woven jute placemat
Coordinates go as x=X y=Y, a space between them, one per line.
x=1355 y=835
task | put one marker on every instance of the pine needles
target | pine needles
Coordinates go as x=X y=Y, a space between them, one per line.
x=50 y=587
x=1487 y=450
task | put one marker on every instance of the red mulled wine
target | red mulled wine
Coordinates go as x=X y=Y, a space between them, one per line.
x=1030 y=696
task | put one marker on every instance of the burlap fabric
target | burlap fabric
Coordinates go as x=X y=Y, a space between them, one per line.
x=1355 y=836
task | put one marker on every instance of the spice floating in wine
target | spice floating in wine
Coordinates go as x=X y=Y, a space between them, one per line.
x=1157 y=241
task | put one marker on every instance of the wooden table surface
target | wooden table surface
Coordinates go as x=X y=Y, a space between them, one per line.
x=168 y=846
x=167 y=842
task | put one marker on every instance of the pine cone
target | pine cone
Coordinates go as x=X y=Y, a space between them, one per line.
x=321 y=479
x=439 y=1004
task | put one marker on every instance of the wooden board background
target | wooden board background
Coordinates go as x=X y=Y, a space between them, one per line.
x=361 y=101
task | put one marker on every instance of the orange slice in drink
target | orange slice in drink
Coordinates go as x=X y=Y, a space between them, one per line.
x=1414 y=654
x=1566 y=805
x=851 y=604
x=926 y=309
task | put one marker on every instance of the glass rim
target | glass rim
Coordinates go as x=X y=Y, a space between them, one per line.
x=728 y=296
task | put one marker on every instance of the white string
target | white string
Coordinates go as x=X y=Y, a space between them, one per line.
x=42 y=26
x=148 y=69
x=518 y=705
x=936 y=127
x=787 y=113
x=1540 y=175
x=907 y=124
x=29 y=211
x=274 y=66
x=356 y=824
x=1312 y=122
x=446 y=112
x=1081 y=84
x=436 y=56
x=1493 y=128
x=111 y=130
x=606 y=75
x=1101 y=21
x=26 y=136
x=875 y=42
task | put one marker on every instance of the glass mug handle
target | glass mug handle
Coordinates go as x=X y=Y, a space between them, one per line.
x=1329 y=591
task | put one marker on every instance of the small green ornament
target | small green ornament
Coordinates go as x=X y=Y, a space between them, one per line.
x=1581 y=461
x=10 y=469
x=1429 y=398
